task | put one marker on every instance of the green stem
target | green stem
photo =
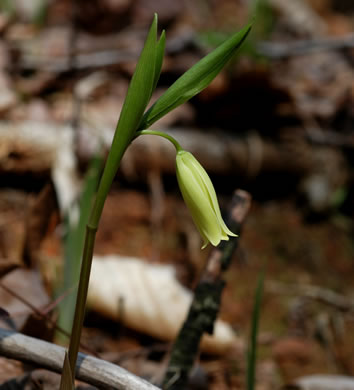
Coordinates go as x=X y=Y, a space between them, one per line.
x=81 y=296
x=161 y=134
x=109 y=172
x=252 y=348
x=113 y=161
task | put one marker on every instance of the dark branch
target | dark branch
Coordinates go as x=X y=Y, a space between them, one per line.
x=206 y=302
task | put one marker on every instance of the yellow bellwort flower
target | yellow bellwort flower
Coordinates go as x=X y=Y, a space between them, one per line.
x=199 y=195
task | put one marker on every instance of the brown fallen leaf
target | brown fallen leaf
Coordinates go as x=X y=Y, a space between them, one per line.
x=148 y=298
x=28 y=284
x=38 y=220
x=9 y=369
x=8 y=97
x=6 y=266
x=326 y=382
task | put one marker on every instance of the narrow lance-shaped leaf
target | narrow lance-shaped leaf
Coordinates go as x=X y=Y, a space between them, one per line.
x=195 y=79
x=140 y=88
x=137 y=98
x=252 y=348
x=73 y=247
x=160 y=51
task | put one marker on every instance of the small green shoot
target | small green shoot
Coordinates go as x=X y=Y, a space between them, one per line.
x=252 y=348
x=137 y=98
x=8 y=7
x=40 y=15
x=131 y=120
x=259 y=9
x=73 y=247
x=262 y=10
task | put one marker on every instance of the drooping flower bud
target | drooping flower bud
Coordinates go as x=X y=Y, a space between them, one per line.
x=200 y=197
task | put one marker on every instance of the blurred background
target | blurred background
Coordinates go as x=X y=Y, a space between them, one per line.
x=277 y=122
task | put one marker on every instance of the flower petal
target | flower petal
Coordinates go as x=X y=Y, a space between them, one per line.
x=209 y=189
x=200 y=197
x=198 y=203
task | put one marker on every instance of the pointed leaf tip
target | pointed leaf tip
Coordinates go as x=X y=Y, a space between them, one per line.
x=160 y=51
x=141 y=86
x=195 y=79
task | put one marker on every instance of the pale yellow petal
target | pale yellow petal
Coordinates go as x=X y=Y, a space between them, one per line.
x=198 y=203
x=209 y=188
x=199 y=195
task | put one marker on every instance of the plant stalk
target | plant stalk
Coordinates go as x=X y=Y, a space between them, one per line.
x=81 y=295
x=161 y=134
x=91 y=229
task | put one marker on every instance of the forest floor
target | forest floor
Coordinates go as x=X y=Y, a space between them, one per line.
x=277 y=122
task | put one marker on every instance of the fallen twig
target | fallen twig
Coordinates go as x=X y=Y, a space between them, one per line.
x=103 y=51
x=44 y=313
x=206 y=302
x=40 y=143
x=278 y=50
x=330 y=137
x=91 y=370
x=317 y=293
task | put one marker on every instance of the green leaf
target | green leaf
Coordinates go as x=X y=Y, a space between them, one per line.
x=140 y=88
x=160 y=51
x=195 y=79
x=73 y=248
x=67 y=380
x=252 y=348
x=137 y=98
